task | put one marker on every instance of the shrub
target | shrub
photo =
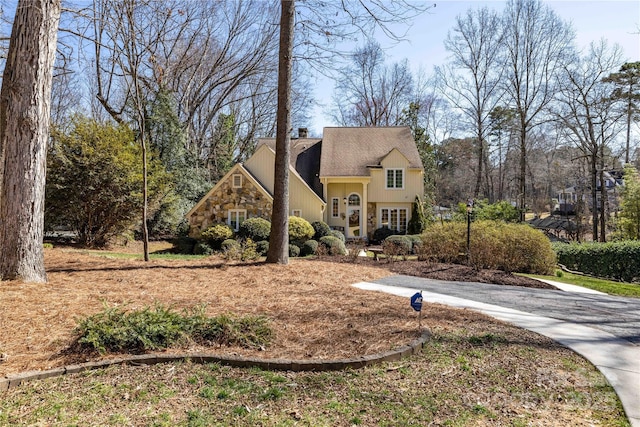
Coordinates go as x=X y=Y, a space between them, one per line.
x=249 y=250
x=612 y=260
x=216 y=234
x=262 y=247
x=416 y=243
x=299 y=230
x=418 y=221
x=338 y=235
x=333 y=245
x=321 y=229
x=184 y=245
x=202 y=248
x=309 y=247
x=494 y=244
x=117 y=330
x=294 y=251
x=231 y=249
x=93 y=181
x=382 y=233
x=256 y=229
x=396 y=246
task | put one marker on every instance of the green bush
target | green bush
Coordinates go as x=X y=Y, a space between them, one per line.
x=397 y=246
x=494 y=245
x=116 y=330
x=612 y=260
x=382 y=233
x=309 y=247
x=321 y=229
x=256 y=229
x=333 y=245
x=262 y=247
x=216 y=234
x=202 y=248
x=231 y=248
x=338 y=235
x=300 y=230
x=294 y=251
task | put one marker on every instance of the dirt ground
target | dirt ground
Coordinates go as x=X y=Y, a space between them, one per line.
x=312 y=309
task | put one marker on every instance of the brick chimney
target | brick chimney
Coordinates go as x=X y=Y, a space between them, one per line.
x=303 y=133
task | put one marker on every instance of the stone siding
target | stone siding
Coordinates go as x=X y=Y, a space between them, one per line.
x=225 y=197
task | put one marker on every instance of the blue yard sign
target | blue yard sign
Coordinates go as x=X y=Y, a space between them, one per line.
x=416 y=301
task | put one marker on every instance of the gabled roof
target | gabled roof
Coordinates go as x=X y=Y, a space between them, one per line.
x=237 y=168
x=350 y=151
x=305 y=159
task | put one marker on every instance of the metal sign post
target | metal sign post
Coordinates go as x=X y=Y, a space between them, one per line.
x=416 y=304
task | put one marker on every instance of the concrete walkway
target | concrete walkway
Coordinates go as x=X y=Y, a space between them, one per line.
x=601 y=328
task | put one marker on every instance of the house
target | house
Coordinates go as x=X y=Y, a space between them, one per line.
x=354 y=179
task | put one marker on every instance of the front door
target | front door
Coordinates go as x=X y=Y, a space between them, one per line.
x=354 y=217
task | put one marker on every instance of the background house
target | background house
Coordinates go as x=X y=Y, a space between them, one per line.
x=354 y=179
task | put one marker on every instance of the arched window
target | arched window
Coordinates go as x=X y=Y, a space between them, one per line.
x=354 y=200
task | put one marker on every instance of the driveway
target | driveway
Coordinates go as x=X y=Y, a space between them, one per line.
x=603 y=329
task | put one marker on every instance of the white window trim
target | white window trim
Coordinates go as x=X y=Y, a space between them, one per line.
x=235 y=213
x=397 y=225
x=296 y=212
x=335 y=200
x=233 y=180
x=386 y=182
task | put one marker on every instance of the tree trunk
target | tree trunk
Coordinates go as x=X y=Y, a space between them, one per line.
x=25 y=103
x=522 y=177
x=279 y=238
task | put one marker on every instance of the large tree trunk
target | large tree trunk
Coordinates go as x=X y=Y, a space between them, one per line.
x=25 y=102
x=279 y=239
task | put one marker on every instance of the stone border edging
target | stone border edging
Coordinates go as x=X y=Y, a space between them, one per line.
x=414 y=347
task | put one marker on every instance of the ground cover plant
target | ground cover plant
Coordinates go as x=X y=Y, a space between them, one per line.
x=474 y=370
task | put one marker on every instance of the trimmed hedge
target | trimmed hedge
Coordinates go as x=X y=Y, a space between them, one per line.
x=494 y=245
x=334 y=245
x=216 y=234
x=397 y=246
x=321 y=229
x=309 y=247
x=294 y=251
x=300 y=230
x=612 y=260
x=262 y=247
x=255 y=228
x=338 y=235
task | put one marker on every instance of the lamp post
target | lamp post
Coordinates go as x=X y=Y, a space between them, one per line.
x=469 y=211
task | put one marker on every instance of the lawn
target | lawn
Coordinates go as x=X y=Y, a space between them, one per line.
x=473 y=371
x=607 y=286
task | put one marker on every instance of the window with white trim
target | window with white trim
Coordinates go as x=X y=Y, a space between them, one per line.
x=394 y=218
x=236 y=217
x=237 y=180
x=395 y=178
x=335 y=207
x=296 y=212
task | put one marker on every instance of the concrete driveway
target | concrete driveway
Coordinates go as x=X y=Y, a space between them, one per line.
x=603 y=329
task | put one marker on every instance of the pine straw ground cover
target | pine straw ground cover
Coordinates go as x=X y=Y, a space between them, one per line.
x=474 y=370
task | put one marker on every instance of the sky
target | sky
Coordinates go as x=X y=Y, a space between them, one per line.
x=616 y=21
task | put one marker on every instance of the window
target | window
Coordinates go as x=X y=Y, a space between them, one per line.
x=296 y=212
x=237 y=181
x=354 y=200
x=395 y=178
x=335 y=207
x=236 y=217
x=394 y=218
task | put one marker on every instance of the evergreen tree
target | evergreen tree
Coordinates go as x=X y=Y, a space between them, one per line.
x=629 y=220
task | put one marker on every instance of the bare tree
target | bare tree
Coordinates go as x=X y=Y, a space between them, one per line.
x=24 y=132
x=537 y=43
x=586 y=110
x=371 y=93
x=472 y=78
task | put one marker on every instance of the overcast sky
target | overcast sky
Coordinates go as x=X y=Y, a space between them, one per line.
x=616 y=21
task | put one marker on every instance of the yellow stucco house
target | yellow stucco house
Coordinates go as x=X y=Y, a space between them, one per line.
x=354 y=179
